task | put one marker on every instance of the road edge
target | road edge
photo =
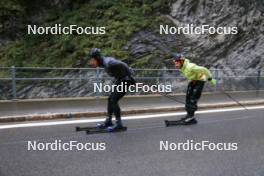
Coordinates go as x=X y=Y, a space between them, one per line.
x=124 y=112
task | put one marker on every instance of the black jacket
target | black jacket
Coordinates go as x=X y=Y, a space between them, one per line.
x=116 y=68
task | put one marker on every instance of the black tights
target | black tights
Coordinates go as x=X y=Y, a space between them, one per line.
x=113 y=106
x=115 y=96
x=194 y=92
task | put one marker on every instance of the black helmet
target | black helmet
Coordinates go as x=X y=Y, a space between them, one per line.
x=95 y=53
x=177 y=56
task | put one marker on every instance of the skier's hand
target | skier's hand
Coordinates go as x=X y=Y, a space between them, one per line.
x=213 y=82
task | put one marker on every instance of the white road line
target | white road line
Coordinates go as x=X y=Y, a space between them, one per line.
x=129 y=130
x=66 y=122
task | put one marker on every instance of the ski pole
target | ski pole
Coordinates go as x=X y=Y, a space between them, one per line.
x=176 y=100
x=172 y=98
x=228 y=95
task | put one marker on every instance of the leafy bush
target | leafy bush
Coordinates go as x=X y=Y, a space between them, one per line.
x=121 y=19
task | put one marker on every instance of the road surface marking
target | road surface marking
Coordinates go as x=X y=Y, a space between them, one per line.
x=133 y=130
x=66 y=122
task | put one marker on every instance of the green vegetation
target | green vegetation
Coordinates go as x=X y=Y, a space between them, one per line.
x=122 y=20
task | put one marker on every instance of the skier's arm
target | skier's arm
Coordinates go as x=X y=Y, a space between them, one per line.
x=207 y=73
x=120 y=69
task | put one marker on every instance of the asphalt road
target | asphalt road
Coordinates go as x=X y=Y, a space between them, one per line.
x=137 y=151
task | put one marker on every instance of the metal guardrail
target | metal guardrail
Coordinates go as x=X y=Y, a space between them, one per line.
x=16 y=75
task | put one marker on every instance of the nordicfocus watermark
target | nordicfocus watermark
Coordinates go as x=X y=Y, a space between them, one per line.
x=59 y=145
x=198 y=30
x=191 y=145
x=138 y=87
x=58 y=29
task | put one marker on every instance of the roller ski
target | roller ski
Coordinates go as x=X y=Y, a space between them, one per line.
x=181 y=122
x=77 y=129
x=110 y=129
x=104 y=125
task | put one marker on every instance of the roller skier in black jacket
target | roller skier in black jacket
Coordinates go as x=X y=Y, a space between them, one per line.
x=122 y=74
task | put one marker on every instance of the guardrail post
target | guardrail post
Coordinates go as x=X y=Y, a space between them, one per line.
x=13 y=73
x=97 y=82
x=217 y=79
x=221 y=80
x=258 y=81
x=164 y=77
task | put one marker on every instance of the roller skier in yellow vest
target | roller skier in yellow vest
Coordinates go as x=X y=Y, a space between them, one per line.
x=197 y=76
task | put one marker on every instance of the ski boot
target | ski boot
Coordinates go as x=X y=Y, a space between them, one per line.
x=104 y=125
x=188 y=120
x=117 y=127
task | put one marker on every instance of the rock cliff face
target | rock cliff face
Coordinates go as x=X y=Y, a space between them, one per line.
x=244 y=50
